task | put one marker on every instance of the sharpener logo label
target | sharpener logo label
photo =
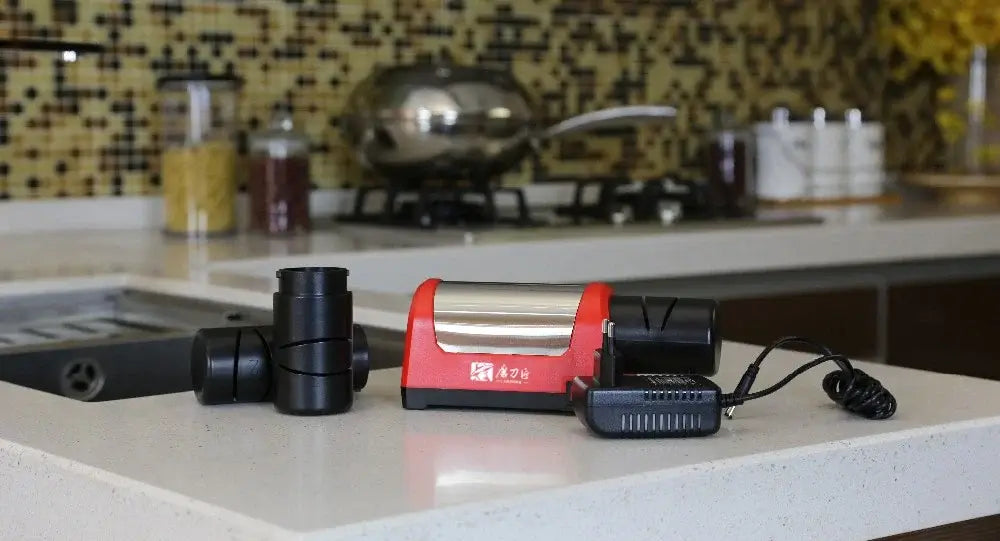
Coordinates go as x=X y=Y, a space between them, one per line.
x=512 y=375
x=481 y=372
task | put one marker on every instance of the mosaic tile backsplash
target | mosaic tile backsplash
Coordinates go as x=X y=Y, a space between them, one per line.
x=89 y=126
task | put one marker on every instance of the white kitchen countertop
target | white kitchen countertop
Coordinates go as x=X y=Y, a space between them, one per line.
x=848 y=236
x=387 y=264
x=788 y=467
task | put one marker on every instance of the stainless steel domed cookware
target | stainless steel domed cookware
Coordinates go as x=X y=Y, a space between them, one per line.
x=416 y=122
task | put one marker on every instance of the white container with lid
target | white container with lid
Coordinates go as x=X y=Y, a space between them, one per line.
x=783 y=154
x=826 y=163
x=865 y=156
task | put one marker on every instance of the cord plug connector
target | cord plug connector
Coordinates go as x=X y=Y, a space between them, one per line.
x=742 y=389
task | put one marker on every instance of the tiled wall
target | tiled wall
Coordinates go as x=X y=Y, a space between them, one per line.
x=90 y=127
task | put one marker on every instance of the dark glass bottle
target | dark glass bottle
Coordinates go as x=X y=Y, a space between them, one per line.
x=729 y=170
x=279 y=178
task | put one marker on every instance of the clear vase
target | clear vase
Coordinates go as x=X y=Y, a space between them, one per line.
x=969 y=118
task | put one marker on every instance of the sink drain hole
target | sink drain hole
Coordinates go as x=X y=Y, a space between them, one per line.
x=82 y=380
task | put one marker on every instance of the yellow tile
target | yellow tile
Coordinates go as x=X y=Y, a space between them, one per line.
x=664 y=33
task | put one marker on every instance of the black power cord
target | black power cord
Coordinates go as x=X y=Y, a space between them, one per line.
x=854 y=390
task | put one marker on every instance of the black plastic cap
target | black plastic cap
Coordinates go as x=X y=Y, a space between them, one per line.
x=310 y=394
x=231 y=364
x=312 y=281
x=360 y=360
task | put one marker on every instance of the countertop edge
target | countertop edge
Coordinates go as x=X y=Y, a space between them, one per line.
x=953 y=455
x=928 y=475
x=653 y=255
x=106 y=505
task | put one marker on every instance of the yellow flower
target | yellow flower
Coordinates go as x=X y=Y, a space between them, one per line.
x=989 y=153
x=952 y=126
x=941 y=33
x=946 y=94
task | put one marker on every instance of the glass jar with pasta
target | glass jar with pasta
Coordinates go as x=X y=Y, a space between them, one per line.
x=199 y=154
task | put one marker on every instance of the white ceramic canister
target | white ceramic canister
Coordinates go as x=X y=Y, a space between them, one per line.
x=783 y=157
x=827 y=157
x=865 y=156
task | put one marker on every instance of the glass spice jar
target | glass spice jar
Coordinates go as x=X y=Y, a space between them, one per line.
x=199 y=154
x=279 y=178
x=729 y=168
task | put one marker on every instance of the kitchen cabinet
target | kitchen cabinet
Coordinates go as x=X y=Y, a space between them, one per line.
x=845 y=320
x=939 y=326
x=979 y=528
x=934 y=315
x=946 y=327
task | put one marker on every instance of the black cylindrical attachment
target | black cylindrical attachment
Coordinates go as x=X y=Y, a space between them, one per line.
x=305 y=317
x=308 y=394
x=312 y=341
x=665 y=335
x=316 y=281
x=360 y=358
x=231 y=364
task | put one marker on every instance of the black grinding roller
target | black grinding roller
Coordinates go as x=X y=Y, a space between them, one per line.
x=665 y=335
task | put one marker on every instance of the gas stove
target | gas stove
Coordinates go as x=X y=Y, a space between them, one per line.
x=430 y=207
x=595 y=200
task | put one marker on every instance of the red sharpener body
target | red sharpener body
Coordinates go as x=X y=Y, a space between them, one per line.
x=528 y=372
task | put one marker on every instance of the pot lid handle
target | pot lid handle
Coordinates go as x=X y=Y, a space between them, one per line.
x=612 y=117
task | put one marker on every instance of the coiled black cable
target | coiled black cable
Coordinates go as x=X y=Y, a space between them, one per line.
x=853 y=389
x=860 y=394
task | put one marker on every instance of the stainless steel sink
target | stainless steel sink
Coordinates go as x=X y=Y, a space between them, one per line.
x=112 y=344
x=107 y=344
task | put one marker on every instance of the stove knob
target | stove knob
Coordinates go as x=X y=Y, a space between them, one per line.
x=425 y=220
x=669 y=212
x=622 y=215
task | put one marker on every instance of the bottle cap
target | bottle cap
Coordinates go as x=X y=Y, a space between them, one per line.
x=231 y=364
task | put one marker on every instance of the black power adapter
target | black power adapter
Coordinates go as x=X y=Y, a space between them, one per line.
x=653 y=406
x=617 y=405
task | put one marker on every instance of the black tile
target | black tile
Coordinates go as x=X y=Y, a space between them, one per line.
x=64 y=11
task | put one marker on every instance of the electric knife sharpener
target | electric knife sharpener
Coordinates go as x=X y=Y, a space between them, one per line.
x=520 y=346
